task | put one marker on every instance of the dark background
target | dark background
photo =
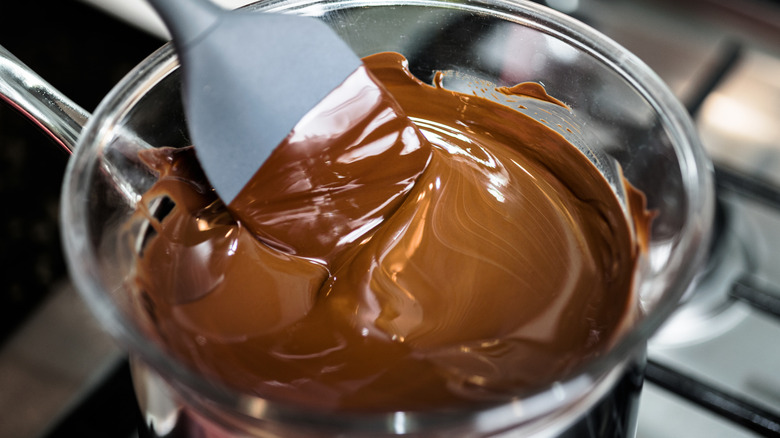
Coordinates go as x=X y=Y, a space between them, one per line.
x=83 y=53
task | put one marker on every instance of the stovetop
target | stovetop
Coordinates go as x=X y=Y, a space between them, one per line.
x=713 y=368
x=719 y=350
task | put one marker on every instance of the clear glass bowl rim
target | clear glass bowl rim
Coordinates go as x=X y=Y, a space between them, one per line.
x=695 y=167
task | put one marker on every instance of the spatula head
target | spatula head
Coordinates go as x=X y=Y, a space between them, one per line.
x=248 y=81
x=297 y=137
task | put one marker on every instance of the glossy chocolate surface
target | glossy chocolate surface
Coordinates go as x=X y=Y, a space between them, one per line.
x=483 y=267
x=344 y=168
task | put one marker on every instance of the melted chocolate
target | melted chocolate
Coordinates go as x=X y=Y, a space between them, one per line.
x=498 y=264
x=530 y=89
x=344 y=168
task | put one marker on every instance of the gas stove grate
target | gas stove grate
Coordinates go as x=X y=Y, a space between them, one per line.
x=717 y=401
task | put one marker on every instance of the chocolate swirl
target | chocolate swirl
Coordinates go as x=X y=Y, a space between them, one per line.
x=506 y=265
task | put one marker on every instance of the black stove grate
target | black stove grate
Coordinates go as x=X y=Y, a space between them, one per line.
x=722 y=403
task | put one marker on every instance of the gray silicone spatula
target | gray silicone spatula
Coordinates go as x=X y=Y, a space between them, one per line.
x=248 y=79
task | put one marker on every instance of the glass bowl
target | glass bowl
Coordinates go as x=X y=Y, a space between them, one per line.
x=622 y=114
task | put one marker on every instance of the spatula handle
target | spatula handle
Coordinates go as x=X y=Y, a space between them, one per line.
x=187 y=20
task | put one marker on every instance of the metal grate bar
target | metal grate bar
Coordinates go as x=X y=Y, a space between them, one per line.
x=719 y=402
x=730 y=54
x=745 y=290
x=751 y=188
